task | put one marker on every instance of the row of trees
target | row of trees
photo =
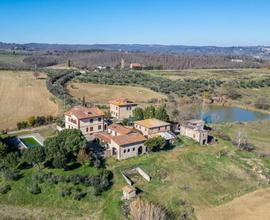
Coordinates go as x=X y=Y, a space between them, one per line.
x=90 y=59
x=36 y=121
x=56 y=82
x=151 y=112
x=159 y=84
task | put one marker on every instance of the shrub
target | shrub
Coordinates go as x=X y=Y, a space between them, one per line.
x=4 y=189
x=35 y=189
x=82 y=156
x=155 y=143
x=10 y=174
x=66 y=191
x=78 y=195
x=12 y=159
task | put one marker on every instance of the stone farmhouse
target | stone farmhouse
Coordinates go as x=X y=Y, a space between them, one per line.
x=121 y=108
x=122 y=142
x=151 y=126
x=194 y=129
x=88 y=120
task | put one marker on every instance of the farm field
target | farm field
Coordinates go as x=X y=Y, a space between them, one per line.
x=220 y=74
x=23 y=96
x=11 y=59
x=251 y=206
x=101 y=94
x=171 y=186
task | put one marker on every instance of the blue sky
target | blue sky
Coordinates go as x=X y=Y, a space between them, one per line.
x=185 y=22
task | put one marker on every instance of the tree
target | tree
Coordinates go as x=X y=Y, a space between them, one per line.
x=155 y=143
x=35 y=155
x=31 y=121
x=137 y=114
x=149 y=112
x=65 y=146
x=12 y=159
x=107 y=114
x=83 y=101
x=36 y=75
x=59 y=161
x=3 y=149
x=82 y=156
x=161 y=113
x=69 y=63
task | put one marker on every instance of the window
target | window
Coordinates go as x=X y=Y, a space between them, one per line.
x=91 y=120
x=86 y=129
x=99 y=119
x=128 y=150
x=99 y=127
x=124 y=151
x=133 y=149
x=91 y=128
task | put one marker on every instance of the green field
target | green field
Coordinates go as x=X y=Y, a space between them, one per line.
x=257 y=133
x=11 y=58
x=219 y=74
x=187 y=176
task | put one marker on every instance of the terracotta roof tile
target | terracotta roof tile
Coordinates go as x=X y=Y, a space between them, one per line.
x=128 y=189
x=104 y=136
x=119 y=129
x=81 y=112
x=122 y=102
x=131 y=138
x=152 y=123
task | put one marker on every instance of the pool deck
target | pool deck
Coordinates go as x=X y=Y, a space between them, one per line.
x=36 y=136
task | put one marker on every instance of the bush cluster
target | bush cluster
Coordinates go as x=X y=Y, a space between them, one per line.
x=10 y=174
x=35 y=121
x=34 y=189
x=100 y=182
x=5 y=188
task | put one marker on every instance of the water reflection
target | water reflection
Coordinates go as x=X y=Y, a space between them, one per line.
x=232 y=114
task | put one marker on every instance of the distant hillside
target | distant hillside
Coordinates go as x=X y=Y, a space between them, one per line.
x=255 y=51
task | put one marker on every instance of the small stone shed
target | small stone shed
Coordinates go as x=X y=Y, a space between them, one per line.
x=129 y=192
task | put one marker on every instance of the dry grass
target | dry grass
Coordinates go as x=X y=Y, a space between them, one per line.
x=251 y=206
x=101 y=94
x=23 y=96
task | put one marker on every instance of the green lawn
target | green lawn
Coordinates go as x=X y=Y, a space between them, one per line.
x=257 y=133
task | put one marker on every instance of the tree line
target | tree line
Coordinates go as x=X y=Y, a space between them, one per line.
x=56 y=82
x=186 y=87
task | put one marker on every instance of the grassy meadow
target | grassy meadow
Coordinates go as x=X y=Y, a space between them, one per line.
x=220 y=74
x=185 y=177
x=257 y=133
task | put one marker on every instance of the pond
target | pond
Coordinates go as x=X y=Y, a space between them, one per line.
x=216 y=114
